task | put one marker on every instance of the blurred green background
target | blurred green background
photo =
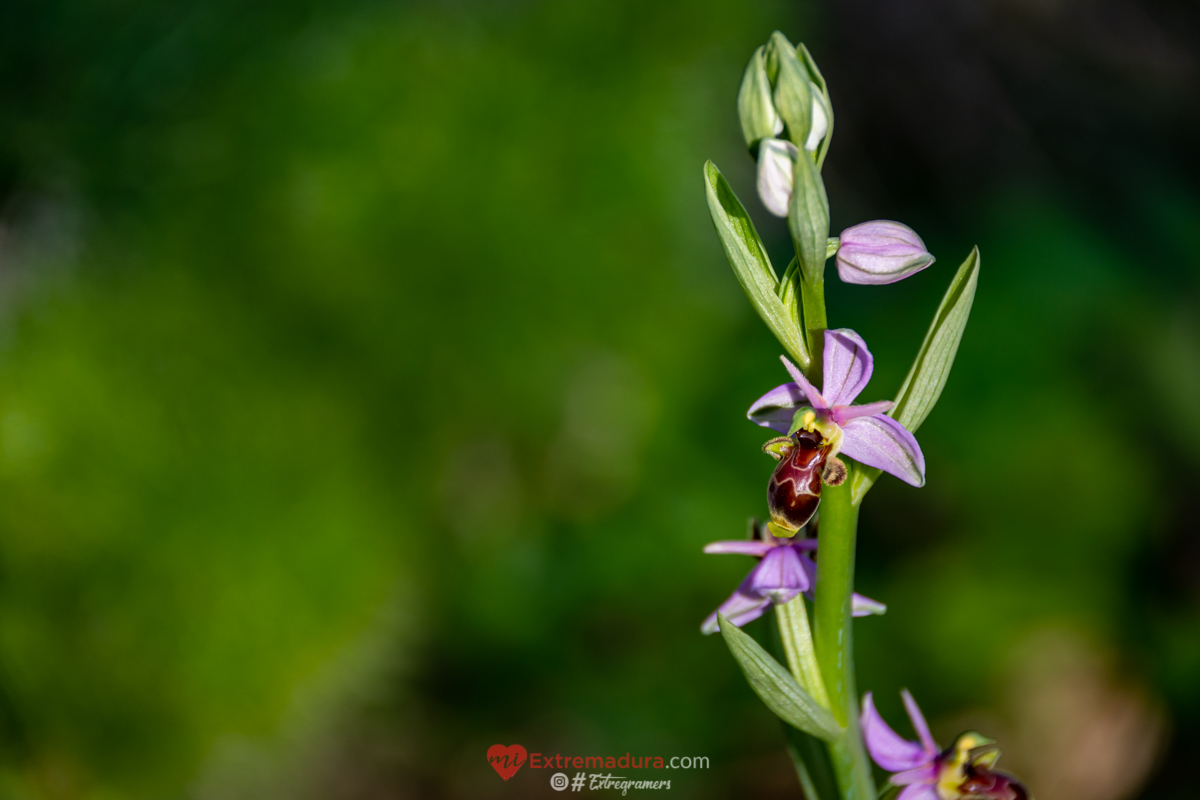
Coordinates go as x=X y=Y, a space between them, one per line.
x=371 y=377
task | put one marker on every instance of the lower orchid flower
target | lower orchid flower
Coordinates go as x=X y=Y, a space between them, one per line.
x=963 y=771
x=820 y=425
x=785 y=571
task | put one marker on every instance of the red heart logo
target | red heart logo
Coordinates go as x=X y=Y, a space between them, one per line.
x=506 y=760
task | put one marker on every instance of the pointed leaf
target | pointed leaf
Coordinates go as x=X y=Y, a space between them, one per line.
x=776 y=686
x=931 y=368
x=749 y=260
x=789 y=291
x=808 y=220
x=927 y=377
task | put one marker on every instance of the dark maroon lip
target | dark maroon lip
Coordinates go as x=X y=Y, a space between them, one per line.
x=794 y=491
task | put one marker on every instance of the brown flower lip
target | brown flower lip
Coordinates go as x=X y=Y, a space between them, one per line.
x=794 y=491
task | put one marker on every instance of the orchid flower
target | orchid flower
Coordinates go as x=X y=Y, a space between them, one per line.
x=961 y=772
x=863 y=432
x=785 y=571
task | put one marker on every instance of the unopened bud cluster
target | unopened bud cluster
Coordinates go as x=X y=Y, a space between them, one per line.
x=787 y=121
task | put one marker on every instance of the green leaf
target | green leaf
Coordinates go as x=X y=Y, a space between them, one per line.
x=776 y=686
x=931 y=368
x=789 y=293
x=808 y=220
x=755 y=106
x=750 y=264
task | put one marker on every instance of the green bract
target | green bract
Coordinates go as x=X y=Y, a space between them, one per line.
x=931 y=368
x=756 y=109
x=749 y=260
x=927 y=376
x=788 y=292
x=777 y=688
x=793 y=89
x=808 y=220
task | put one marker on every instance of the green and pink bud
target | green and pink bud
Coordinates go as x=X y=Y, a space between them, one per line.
x=880 y=252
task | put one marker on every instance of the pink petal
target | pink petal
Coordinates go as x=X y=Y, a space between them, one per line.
x=882 y=442
x=740 y=608
x=848 y=366
x=779 y=575
x=748 y=547
x=776 y=408
x=814 y=397
x=919 y=791
x=918 y=722
x=925 y=774
x=861 y=606
x=843 y=414
x=890 y=751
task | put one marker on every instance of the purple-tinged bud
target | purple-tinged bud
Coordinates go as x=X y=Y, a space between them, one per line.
x=880 y=252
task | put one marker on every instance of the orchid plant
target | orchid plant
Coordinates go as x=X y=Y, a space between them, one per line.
x=829 y=452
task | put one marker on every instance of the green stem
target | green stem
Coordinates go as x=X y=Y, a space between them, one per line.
x=833 y=636
x=812 y=298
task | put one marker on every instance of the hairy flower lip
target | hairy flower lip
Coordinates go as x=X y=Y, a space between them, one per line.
x=794 y=490
x=868 y=435
x=785 y=571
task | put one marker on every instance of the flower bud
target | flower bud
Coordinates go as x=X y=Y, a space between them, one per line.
x=800 y=101
x=756 y=109
x=880 y=252
x=793 y=89
x=776 y=171
x=820 y=122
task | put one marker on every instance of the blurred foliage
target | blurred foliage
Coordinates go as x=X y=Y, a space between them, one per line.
x=372 y=376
